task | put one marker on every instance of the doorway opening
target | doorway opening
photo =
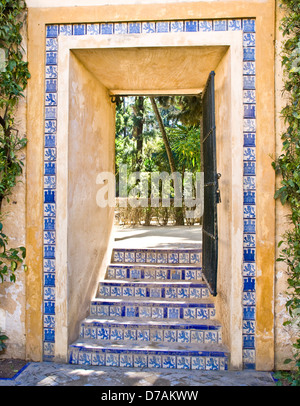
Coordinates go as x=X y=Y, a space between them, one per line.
x=157 y=137
x=92 y=76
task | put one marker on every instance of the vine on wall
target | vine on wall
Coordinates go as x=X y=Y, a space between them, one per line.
x=14 y=75
x=288 y=166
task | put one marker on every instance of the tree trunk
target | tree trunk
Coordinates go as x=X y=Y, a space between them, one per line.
x=138 y=110
x=179 y=218
x=164 y=135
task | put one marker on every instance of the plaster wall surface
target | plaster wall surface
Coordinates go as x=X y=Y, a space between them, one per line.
x=70 y=3
x=230 y=213
x=86 y=149
x=128 y=69
x=13 y=295
x=89 y=50
x=91 y=151
x=284 y=335
x=44 y=12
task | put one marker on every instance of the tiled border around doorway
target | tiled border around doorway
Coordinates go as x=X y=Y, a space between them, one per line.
x=247 y=26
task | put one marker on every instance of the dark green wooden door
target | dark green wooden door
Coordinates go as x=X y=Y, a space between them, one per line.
x=211 y=188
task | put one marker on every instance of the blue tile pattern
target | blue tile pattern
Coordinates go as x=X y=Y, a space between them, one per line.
x=247 y=27
x=162 y=323
x=185 y=359
x=159 y=272
x=52 y=33
x=185 y=290
x=249 y=269
x=152 y=309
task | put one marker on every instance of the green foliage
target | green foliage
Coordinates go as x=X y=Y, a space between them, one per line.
x=288 y=166
x=126 y=122
x=14 y=75
x=158 y=137
x=10 y=258
x=3 y=338
x=186 y=110
x=185 y=143
x=184 y=138
x=13 y=79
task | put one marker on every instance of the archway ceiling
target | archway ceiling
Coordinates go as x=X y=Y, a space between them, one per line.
x=155 y=70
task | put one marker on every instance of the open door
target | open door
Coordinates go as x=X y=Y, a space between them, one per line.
x=211 y=188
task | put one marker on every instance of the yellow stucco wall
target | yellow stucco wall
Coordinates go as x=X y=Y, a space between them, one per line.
x=41 y=13
x=263 y=11
x=219 y=50
x=284 y=335
x=86 y=145
x=13 y=295
x=229 y=124
x=91 y=142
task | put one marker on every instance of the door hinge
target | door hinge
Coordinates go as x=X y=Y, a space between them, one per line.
x=218 y=193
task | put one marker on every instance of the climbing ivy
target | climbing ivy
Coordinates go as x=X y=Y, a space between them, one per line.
x=288 y=166
x=14 y=75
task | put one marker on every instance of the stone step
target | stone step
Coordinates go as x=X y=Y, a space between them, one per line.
x=118 y=329
x=154 y=272
x=143 y=289
x=157 y=256
x=149 y=355
x=153 y=308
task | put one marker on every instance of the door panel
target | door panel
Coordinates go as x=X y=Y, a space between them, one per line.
x=211 y=188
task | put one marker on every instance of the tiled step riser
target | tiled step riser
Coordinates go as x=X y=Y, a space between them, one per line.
x=197 y=312
x=156 y=256
x=152 y=312
x=131 y=272
x=142 y=291
x=166 y=335
x=195 y=361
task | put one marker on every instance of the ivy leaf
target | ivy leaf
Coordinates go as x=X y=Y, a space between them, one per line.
x=282 y=194
x=13 y=81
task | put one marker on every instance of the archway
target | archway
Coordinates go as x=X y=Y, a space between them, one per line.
x=86 y=66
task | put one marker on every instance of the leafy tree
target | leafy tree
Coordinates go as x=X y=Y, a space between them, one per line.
x=164 y=136
x=186 y=110
x=185 y=142
x=138 y=121
x=136 y=135
x=170 y=132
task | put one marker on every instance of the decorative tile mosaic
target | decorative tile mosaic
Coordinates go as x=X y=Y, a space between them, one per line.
x=156 y=256
x=148 y=290
x=122 y=307
x=180 y=333
x=247 y=26
x=205 y=360
x=159 y=272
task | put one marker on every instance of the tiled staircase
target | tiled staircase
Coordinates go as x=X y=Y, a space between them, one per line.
x=152 y=310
